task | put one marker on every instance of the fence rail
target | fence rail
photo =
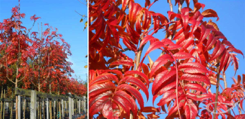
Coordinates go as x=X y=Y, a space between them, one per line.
x=37 y=105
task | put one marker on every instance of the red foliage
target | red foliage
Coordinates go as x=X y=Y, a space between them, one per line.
x=34 y=62
x=192 y=52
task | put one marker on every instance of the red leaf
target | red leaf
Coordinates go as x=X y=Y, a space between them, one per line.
x=194 y=86
x=152 y=47
x=162 y=80
x=117 y=72
x=150 y=109
x=241 y=116
x=175 y=108
x=147 y=3
x=139 y=74
x=210 y=13
x=182 y=55
x=107 y=110
x=103 y=78
x=34 y=17
x=168 y=96
x=195 y=77
x=123 y=103
x=129 y=45
x=198 y=6
x=97 y=89
x=145 y=40
x=235 y=62
x=190 y=110
x=195 y=71
x=130 y=101
x=122 y=62
x=192 y=65
x=159 y=62
x=124 y=4
x=137 y=82
x=133 y=92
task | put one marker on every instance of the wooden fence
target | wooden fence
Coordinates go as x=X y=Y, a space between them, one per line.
x=37 y=105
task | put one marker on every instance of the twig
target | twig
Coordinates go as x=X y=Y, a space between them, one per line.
x=82 y=2
x=170 y=5
x=80 y=14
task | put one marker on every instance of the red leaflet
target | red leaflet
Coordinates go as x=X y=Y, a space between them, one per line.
x=103 y=78
x=99 y=88
x=136 y=82
x=182 y=55
x=128 y=98
x=34 y=17
x=159 y=62
x=129 y=44
x=195 y=77
x=193 y=86
x=122 y=62
x=210 y=13
x=139 y=74
x=133 y=91
x=107 y=110
x=190 y=110
x=163 y=81
x=197 y=6
x=124 y=4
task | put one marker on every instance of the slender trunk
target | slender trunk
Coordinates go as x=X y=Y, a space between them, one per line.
x=217 y=92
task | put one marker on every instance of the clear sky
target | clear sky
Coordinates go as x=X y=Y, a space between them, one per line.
x=60 y=14
x=231 y=23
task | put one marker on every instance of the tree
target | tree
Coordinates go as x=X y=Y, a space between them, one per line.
x=35 y=62
x=194 y=55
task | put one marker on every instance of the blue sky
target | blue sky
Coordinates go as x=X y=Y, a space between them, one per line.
x=60 y=14
x=231 y=23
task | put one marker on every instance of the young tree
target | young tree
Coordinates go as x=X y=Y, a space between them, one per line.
x=194 y=55
x=15 y=47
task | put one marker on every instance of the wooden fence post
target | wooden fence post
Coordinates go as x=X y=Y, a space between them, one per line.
x=84 y=104
x=72 y=100
x=19 y=107
x=54 y=109
x=33 y=104
x=70 y=107
x=62 y=109
x=79 y=106
x=47 y=106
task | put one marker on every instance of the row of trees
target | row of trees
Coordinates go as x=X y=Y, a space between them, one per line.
x=35 y=60
x=193 y=57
